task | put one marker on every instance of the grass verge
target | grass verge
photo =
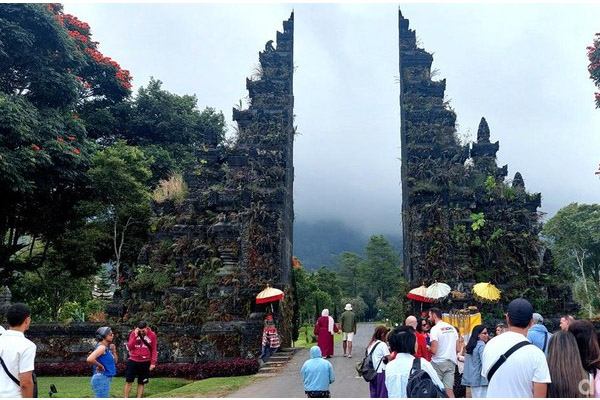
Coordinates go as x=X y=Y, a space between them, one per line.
x=79 y=386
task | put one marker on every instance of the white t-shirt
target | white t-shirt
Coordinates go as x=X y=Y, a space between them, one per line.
x=446 y=336
x=397 y=373
x=18 y=354
x=380 y=351
x=2 y=330
x=516 y=376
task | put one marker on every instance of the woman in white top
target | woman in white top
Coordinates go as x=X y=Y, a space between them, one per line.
x=403 y=343
x=380 y=357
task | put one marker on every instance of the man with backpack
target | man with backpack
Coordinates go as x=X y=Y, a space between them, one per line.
x=513 y=367
x=444 y=346
x=17 y=354
x=143 y=354
x=407 y=375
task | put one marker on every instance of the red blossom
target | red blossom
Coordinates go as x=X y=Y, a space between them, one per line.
x=71 y=138
x=60 y=140
x=75 y=116
x=75 y=151
x=35 y=147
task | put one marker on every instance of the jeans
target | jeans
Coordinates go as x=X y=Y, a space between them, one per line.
x=101 y=385
x=267 y=352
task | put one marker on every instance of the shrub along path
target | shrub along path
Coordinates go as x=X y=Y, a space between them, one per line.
x=288 y=382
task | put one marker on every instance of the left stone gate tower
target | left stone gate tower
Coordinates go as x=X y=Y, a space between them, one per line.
x=211 y=254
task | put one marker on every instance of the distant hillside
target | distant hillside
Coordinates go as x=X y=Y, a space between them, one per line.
x=316 y=243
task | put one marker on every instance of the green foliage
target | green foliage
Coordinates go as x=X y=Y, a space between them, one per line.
x=490 y=184
x=477 y=221
x=164 y=125
x=148 y=279
x=381 y=268
x=575 y=242
x=51 y=288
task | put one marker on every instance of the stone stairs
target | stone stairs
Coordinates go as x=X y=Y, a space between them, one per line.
x=276 y=362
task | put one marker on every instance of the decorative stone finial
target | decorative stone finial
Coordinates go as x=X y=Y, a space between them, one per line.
x=483 y=133
x=518 y=181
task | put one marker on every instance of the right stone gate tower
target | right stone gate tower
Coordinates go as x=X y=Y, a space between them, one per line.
x=462 y=221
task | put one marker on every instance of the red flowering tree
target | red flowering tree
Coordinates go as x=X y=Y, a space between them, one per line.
x=49 y=69
x=594 y=67
x=100 y=77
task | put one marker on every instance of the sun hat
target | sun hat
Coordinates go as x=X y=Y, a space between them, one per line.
x=348 y=307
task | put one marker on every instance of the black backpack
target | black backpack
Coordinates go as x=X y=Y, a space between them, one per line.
x=420 y=384
x=365 y=367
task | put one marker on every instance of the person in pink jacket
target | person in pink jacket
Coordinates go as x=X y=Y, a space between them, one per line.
x=143 y=353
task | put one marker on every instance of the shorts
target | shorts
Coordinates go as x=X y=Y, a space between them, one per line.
x=445 y=371
x=348 y=336
x=141 y=369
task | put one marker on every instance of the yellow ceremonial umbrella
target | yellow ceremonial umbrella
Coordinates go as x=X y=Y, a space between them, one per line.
x=486 y=291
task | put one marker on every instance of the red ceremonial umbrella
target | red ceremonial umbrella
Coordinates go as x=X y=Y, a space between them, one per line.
x=269 y=295
x=420 y=294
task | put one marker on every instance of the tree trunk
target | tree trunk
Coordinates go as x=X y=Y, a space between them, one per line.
x=119 y=247
x=580 y=261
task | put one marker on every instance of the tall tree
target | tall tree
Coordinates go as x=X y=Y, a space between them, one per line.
x=49 y=66
x=167 y=126
x=575 y=239
x=381 y=269
x=348 y=272
x=120 y=177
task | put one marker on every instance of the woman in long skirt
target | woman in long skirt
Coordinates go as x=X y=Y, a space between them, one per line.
x=324 y=330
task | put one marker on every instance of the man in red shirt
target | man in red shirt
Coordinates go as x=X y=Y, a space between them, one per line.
x=422 y=350
x=142 y=357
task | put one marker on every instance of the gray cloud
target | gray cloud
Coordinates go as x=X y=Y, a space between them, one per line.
x=523 y=67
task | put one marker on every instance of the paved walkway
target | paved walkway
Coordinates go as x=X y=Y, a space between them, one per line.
x=288 y=383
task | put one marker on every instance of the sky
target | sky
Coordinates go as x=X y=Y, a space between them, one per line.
x=521 y=66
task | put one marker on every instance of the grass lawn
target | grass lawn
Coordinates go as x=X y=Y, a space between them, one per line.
x=306 y=332
x=69 y=387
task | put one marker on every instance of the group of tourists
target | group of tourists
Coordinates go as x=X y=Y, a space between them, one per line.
x=427 y=357
x=17 y=356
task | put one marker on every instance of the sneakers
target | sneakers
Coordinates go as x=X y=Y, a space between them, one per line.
x=345 y=355
x=349 y=355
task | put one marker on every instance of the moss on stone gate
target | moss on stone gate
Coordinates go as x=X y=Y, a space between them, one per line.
x=463 y=221
x=214 y=251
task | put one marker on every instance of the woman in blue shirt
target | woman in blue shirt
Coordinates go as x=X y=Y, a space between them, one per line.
x=472 y=373
x=104 y=360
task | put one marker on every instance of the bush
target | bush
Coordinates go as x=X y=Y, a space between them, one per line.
x=237 y=367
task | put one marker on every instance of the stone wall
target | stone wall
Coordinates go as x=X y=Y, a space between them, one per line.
x=179 y=344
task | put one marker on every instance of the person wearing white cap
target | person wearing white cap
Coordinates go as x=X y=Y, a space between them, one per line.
x=348 y=326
